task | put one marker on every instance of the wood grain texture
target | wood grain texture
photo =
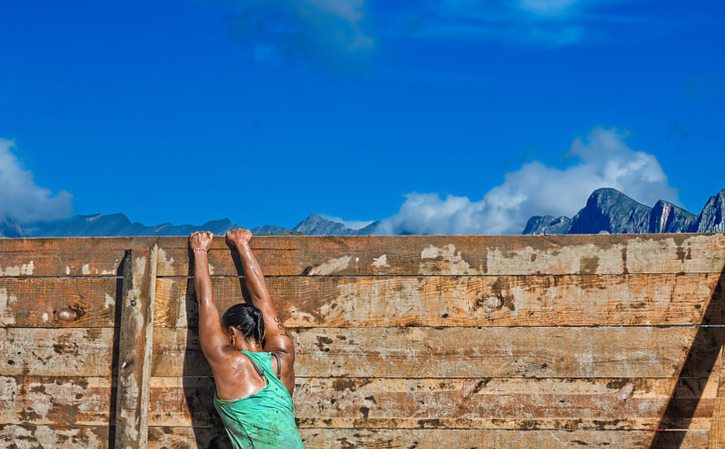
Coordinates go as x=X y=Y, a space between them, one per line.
x=29 y=436
x=717 y=432
x=56 y=401
x=384 y=301
x=403 y=255
x=86 y=256
x=458 y=255
x=183 y=437
x=482 y=403
x=460 y=352
x=58 y=302
x=56 y=352
x=90 y=437
x=416 y=341
x=134 y=348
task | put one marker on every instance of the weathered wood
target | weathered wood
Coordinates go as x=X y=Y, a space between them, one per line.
x=39 y=257
x=135 y=346
x=471 y=255
x=404 y=255
x=461 y=352
x=183 y=437
x=717 y=431
x=422 y=341
x=382 y=352
x=56 y=401
x=482 y=403
x=29 y=436
x=56 y=352
x=58 y=302
x=537 y=300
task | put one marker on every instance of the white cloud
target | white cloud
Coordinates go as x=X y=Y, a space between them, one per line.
x=20 y=198
x=603 y=160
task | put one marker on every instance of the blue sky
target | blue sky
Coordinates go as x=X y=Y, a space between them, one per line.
x=264 y=111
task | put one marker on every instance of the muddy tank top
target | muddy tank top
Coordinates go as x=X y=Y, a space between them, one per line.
x=265 y=419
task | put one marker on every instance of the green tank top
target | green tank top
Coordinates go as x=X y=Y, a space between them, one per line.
x=264 y=420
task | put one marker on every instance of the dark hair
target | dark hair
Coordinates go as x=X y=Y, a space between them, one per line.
x=248 y=319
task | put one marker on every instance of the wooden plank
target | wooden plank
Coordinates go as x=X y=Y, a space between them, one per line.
x=55 y=401
x=404 y=255
x=187 y=437
x=40 y=257
x=482 y=403
x=58 y=302
x=135 y=346
x=382 y=352
x=537 y=300
x=458 y=255
x=461 y=352
x=717 y=432
x=569 y=300
x=56 y=352
x=487 y=403
x=29 y=436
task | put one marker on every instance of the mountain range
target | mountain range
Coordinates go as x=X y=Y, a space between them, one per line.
x=606 y=211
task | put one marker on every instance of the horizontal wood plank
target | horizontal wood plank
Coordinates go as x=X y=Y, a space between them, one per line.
x=459 y=255
x=462 y=352
x=537 y=300
x=92 y=437
x=383 y=352
x=58 y=302
x=55 y=401
x=183 y=437
x=483 y=403
x=389 y=255
x=29 y=436
x=85 y=256
x=56 y=352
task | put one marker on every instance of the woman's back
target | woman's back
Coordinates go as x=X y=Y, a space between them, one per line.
x=265 y=419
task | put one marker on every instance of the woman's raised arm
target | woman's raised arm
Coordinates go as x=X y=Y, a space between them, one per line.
x=212 y=338
x=276 y=338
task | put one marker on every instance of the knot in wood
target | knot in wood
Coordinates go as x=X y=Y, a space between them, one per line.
x=66 y=314
x=625 y=392
x=492 y=303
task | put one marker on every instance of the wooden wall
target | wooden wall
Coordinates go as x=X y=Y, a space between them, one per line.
x=403 y=342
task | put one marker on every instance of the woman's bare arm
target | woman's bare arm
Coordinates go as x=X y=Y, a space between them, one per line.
x=276 y=337
x=212 y=337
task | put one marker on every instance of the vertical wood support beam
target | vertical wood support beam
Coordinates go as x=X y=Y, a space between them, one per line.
x=134 y=348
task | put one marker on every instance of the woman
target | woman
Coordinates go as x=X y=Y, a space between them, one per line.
x=250 y=354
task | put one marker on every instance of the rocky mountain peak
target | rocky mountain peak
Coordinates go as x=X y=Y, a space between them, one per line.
x=610 y=210
x=711 y=218
x=668 y=217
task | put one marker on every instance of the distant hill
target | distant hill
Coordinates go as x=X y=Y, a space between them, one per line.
x=607 y=210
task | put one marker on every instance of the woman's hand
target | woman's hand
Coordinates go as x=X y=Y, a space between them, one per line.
x=239 y=236
x=201 y=240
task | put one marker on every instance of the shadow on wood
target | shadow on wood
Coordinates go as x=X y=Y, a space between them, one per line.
x=120 y=273
x=701 y=358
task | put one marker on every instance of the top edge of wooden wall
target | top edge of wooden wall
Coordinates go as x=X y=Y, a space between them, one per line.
x=383 y=255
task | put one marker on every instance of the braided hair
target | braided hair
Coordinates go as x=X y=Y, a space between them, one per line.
x=248 y=319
